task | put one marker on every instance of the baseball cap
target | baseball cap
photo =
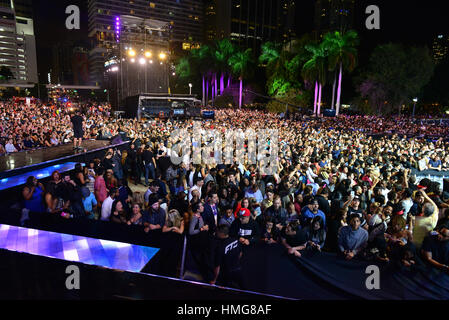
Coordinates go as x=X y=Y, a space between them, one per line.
x=244 y=212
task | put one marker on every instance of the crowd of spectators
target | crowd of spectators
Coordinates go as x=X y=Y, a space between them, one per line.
x=336 y=189
x=28 y=127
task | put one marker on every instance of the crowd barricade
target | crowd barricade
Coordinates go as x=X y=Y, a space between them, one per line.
x=433 y=175
x=267 y=269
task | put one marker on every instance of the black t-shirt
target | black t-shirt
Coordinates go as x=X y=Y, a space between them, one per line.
x=294 y=240
x=353 y=211
x=227 y=254
x=324 y=205
x=439 y=249
x=147 y=156
x=249 y=231
x=77 y=122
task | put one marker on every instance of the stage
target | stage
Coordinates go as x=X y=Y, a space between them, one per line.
x=34 y=266
x=98 y=252
x=21 y=162
x=22 y=159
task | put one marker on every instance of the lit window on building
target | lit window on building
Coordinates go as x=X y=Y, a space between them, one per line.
x=152 y=5
x=186 y=46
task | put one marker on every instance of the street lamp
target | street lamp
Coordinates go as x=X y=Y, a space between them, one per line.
x=414 y=106
x=190 y=88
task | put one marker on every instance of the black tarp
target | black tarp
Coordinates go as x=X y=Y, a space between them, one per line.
x=328 y=276
x=421 y=282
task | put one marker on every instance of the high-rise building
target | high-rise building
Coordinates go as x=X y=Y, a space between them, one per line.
x=333 y=15
x=184 y=17
x=17 y=41
x=440 y=48
x=69 y=64
x=250 y=22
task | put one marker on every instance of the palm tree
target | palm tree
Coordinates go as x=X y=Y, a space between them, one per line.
x=314 y=70
x=203 y=59
x=183 y=68
x=224 y=49
x=342 y=54
x=271 y=52
x=276 y=62
x=241 y=65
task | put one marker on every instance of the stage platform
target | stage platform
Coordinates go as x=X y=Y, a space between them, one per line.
x=22 y=159
x=43 y=173
x=98 y=252
x=25 y=161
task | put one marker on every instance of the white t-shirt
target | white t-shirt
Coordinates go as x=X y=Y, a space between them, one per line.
x=195 y=187
x=106 y=208
x=9 y=147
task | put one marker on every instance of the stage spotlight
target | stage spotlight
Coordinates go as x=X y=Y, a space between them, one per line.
x=133 y=60
x=151 y=61
x=142 y=61
x=148 y=54
x=131 y=53
x=162 y=56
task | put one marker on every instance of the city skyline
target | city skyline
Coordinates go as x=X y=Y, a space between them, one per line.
x=401 y=21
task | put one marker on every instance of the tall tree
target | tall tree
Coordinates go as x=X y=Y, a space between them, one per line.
x=375 y=92
x=276 y=62
x=203 y=59
x=342 y=49
x=242 y=63
x=403 y=71
x=314 y=70
x=224 y=49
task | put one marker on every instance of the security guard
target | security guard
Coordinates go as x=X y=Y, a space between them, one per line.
x=227 y=254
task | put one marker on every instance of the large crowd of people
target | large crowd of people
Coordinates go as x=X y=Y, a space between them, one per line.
x=33 y=126
x=337 y=188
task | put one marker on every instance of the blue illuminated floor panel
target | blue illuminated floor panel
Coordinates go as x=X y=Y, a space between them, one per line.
x=103 y=253
x=18 y=180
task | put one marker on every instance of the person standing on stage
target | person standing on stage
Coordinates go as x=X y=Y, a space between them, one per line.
x=78 y=133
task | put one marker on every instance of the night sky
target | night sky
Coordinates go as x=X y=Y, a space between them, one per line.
x=409 y=22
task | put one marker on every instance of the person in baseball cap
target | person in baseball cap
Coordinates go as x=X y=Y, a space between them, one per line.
x=245 y=228
x=244 y=212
